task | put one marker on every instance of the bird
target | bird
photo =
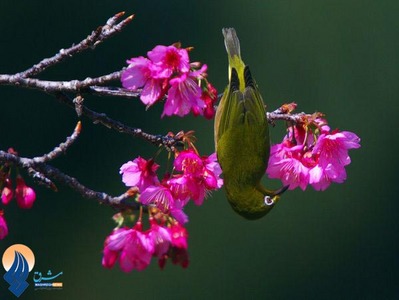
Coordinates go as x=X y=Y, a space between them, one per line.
x=242 y=140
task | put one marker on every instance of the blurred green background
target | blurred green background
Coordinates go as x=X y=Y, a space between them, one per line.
x=338 y=57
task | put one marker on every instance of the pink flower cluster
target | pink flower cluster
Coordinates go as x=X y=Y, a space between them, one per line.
x=168 y=72
x=134 y=248
x=24 y=194
x=312 y=154
x=192 y=178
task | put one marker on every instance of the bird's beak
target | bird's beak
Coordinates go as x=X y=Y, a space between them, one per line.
x=281 y=190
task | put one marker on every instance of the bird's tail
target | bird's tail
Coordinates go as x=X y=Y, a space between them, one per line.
x=231 y=42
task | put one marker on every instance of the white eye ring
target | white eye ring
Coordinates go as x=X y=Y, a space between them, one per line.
x=268 y=200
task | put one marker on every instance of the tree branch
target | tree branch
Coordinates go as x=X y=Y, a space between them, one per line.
x=293 y=118
x=61 y=148
x=167 y=141
x=96 y=37
x=74 y=86
x=284 y=112
x=54 y=174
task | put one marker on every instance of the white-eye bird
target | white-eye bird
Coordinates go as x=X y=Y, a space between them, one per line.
x=242 y=139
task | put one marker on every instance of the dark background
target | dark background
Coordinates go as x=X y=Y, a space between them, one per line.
x=338 y=57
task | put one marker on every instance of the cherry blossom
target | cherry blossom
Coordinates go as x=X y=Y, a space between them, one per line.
x=200 y=174
x=167 y=72
x=7 y=193
x=183 y=96
x=161 y=238
x=160 y=196
x=24 y=194
x=140 y=173
x=312 y=155
x=168 y=60
x=131 y=247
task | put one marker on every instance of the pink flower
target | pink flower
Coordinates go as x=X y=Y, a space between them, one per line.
x=189 y=162
x=209 y=96
x=140 y=173
x=133 y=248
x=177 y=211
x=178 y=250
x=3 y=226
x=321 y=178
x=137 y=73
x=169 y=60
x=168 y=69
x=193 y=178
x=109 y=258
x=214 y=170
x=158 y=195
x=117 y=240
x=137 y=253
x=7 y=193
x=200 y=174
x=331 y=150
x=312 y=158
x=160 y=237
x=284 y=164
x=162 y=197
x=183 y=96
x=113 y=245
x=25 y=195
x=140 y=73
x=178 y=186
x=179 y=236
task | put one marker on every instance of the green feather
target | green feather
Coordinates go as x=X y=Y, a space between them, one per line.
x=242 y=138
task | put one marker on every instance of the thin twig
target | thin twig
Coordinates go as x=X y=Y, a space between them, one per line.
x=114 y=91
x=54 y=174
x=95 y=38
x=284 y=113
x=48 y=86
x=166 y=141
x=104 y=198
x=41 y=179
x=61 y=148
x=294 y=118
x=86 y=86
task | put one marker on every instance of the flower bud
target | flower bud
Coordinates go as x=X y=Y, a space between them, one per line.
x=7 y=193
x=24 y=194
x=3 y=226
